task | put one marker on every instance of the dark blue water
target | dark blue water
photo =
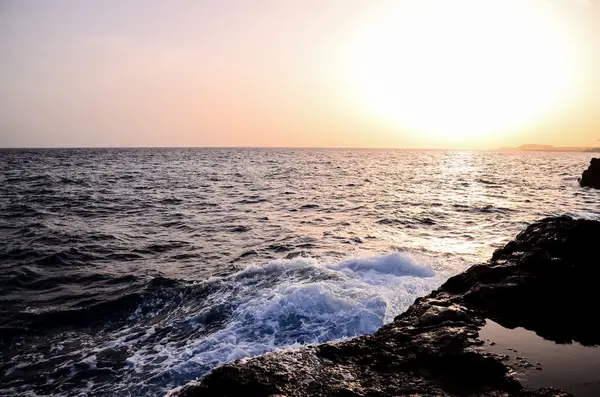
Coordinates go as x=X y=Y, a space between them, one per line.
x=137 y=270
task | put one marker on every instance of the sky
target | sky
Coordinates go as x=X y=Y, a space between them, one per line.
x=312 y=73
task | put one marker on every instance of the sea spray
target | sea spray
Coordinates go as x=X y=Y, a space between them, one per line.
x=181 y=330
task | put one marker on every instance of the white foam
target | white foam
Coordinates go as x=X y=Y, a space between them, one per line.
x=396 y=263
x=90 y=361
x=181 y=332
x=287 y=303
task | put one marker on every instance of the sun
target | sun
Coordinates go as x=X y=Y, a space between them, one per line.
x=456 y=70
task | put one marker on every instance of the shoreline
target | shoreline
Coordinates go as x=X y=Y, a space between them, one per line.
x=435 y=348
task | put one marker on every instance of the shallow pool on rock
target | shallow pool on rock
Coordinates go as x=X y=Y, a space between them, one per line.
x=538 y=362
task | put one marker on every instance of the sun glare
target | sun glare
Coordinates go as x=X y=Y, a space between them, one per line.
x=463 y=69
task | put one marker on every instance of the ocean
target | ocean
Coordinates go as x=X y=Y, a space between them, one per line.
x=134 y=271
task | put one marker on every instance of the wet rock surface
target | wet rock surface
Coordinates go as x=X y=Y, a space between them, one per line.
x=541 y=281
x=591 y=176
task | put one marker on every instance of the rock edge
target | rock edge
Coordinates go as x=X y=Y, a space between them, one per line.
x=591 y=176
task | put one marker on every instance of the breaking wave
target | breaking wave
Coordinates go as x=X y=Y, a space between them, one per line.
x=169 y=332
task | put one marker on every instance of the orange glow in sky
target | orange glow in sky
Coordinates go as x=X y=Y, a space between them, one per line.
x=343 y=73
x=459 y=69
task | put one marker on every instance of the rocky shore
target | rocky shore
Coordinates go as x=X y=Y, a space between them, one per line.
x=591 y=176
x=545 y=280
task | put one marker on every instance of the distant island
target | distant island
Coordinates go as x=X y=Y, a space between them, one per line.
x=534 y=147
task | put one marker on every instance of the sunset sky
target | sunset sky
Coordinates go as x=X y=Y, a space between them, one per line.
x=327 y=73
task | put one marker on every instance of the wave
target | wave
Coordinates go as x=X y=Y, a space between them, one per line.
x=170 y=332
x=410 y=223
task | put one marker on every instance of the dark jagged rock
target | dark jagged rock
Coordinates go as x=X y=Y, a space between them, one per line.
x=591 y=176
x=543 y=281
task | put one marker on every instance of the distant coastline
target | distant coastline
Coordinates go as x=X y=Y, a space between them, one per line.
x=534 y=147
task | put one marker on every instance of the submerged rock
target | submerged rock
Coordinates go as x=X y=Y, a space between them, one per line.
x=542 y=281
x=591 y=176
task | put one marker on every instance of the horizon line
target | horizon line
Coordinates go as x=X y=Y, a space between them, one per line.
x=237 y=147
x=580 y=148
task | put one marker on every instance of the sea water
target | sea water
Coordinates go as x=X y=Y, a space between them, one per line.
x=134 y=271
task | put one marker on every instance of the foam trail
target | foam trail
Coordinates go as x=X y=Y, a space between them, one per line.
x=181 y=331
x=300 y=301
